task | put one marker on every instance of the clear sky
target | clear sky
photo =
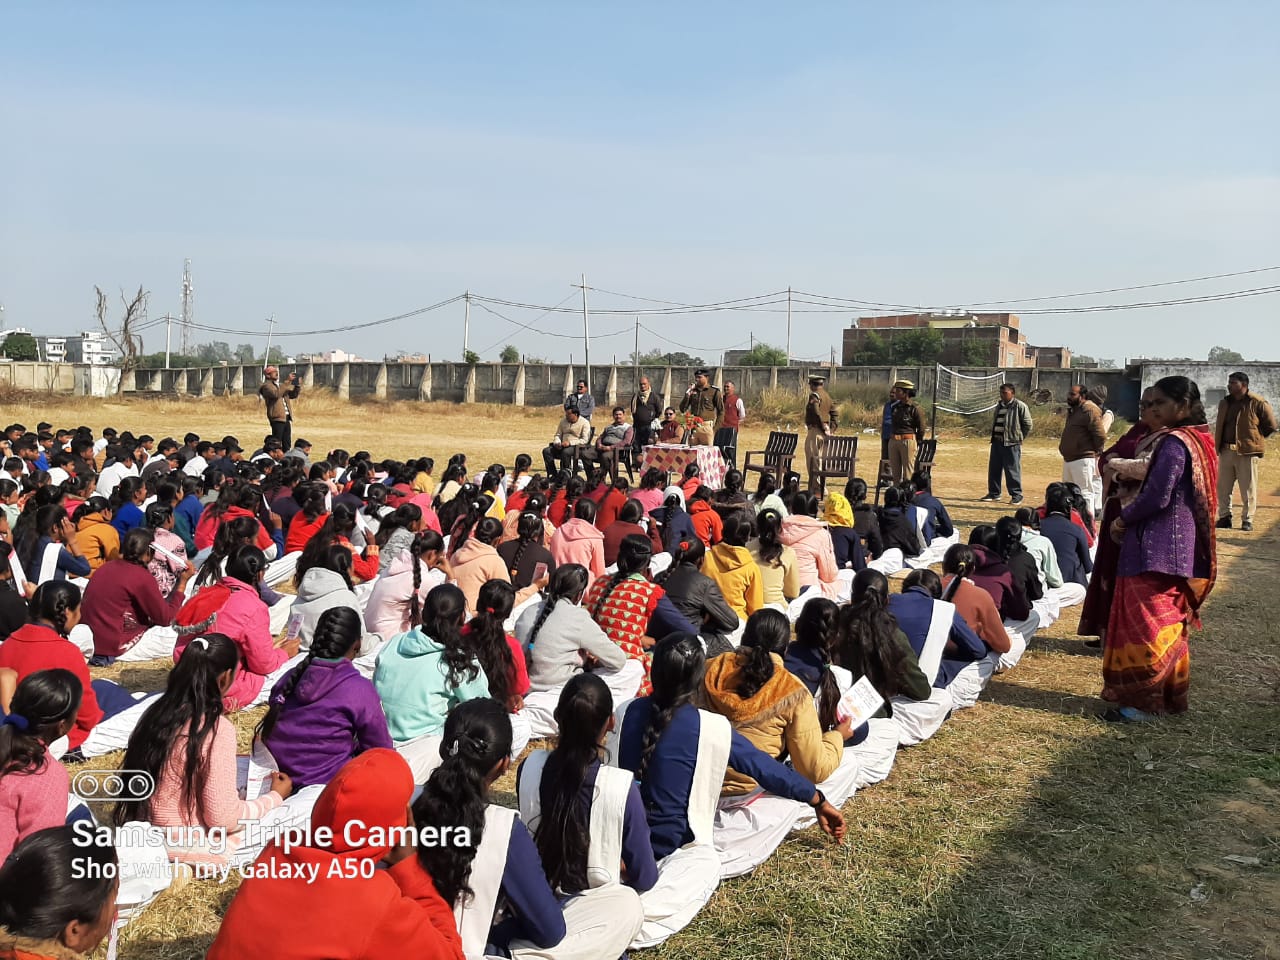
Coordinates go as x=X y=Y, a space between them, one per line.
x=334 y=163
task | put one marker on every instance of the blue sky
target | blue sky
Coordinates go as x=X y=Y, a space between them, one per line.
x=337 y=163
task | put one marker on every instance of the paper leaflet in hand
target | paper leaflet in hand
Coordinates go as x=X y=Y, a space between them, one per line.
x=294 y=629
x=261 y=766
x=859 y=703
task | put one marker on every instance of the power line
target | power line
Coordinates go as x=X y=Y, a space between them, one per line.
x=311 y=333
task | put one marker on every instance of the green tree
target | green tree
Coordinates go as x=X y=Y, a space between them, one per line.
x=509 y=354
x=1224 y=355
x=21 y=346
x=244 y=353
x=974 y=353
x=216 y=352
x=874 y=352
x=656 y=358
x=765 y=355
x=470 y=358
x=1084 y=360
x=914 y=347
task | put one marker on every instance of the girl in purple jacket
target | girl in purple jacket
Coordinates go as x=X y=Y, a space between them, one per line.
x=323 y=712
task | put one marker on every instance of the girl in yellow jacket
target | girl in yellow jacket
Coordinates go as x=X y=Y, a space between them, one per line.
x=97 y=539
x=733 y=568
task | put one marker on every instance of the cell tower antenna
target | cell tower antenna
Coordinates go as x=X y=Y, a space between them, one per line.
x=187 y=292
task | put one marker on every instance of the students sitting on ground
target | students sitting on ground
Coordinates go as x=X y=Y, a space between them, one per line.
x=673 y=522
x=937 y=522
x=578 y=541
x=561 y=640
x=502 y=866
x=523 y=553
x=305 y=897
x=679 y=754
x=424 y=673
x=168 y=552
x=844 y=536
x=766 y=496
x=323 y=712
x=808 y=537
x=42 y=644
x=1069 y=540
x=125 y=609
x=34 y=786
x=337 y=530
x=992 y=573
x=980 y=612
x=501 y=655
x=733 y=567
x=896 y=527
x=628 y=525
x=706 y=521
x=47 y=546
x=415 y=573
x=57 y=896
x=631 y=609
x=97 y=539
x=777 y=563
x=185 y=743
x=698 y=599
x=234 y=608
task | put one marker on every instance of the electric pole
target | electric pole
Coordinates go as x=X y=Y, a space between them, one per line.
x=466 y=323
x=788 y=326
x=586 y=332
x=168 y=329
x=188 y=292
x=271 y=328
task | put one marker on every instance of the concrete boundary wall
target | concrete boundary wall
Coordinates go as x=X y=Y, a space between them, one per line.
x=541 y=384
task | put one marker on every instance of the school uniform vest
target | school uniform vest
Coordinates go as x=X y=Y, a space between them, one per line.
x=475 y=915
x=605 y=821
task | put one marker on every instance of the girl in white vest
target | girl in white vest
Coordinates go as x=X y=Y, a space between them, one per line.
x=491 y=872
x=588 y=819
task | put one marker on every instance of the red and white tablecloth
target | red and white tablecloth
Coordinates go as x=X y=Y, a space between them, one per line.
x=674 y=457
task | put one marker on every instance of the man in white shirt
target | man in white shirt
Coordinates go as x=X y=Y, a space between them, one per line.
x=122 y=465
x=196 y=465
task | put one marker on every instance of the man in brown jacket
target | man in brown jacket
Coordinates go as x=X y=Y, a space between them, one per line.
x=1244 y=422
x=1083 y=439
x=277 y=398
x=703 y=400
x=820 y=421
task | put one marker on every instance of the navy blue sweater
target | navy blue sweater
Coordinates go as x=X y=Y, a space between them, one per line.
x=669 y=776
x=937 y=522
x=913 y=609
x=1072 y=547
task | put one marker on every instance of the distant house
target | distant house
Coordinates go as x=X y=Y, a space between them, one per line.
x=969 y=339
x=89 y=346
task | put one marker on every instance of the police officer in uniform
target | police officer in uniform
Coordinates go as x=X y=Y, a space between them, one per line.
x=820 y=420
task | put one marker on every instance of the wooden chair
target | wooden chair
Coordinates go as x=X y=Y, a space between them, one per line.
x=839 y=461
x=925 y=454
x=778 y=454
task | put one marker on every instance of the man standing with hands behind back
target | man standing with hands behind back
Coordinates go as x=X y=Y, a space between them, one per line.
x=646 y=413
x=1244 y=422
x=1082 y=441
x=276 y=398
x=820 y=421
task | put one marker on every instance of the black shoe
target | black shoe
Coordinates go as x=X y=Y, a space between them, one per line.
x=1224 y=523
x=989 y=498
x=1017 y=499
x=1247 y=526
x=1094 y=644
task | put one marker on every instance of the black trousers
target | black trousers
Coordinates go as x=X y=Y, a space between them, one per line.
x=282 y=430
x=1006 y=461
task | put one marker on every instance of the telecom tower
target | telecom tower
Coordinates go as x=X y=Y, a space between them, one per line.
x=187 y=291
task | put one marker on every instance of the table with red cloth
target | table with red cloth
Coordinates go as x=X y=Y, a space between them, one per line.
x=674 y=457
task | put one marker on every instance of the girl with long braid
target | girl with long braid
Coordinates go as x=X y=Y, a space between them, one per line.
x=679 y=755
x=526 y=550
x=561 y=640
x=578 y=540
x=631 y=609
x=501 y=898
x=698 y=598
x=185 y=743
x=323 y=712
x=395 y=603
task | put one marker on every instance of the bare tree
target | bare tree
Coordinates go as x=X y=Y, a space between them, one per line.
x=125 y=339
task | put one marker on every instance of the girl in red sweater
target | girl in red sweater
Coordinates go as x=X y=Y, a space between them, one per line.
x=337 y=529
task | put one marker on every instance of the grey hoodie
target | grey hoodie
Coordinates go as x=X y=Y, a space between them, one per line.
x=319 y=590
x=554 y=659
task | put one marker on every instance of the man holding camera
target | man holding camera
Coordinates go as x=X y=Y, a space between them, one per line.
x=276 y=397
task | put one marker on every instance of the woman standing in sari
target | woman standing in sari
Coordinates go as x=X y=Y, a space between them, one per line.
x=1167 y=563
x=1122 y=471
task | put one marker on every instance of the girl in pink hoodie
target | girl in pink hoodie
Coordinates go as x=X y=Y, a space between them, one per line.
x=804 y=533
x=476 y=562
x=579 y=541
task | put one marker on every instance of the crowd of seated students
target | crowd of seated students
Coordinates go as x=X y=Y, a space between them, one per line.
x=438 y=626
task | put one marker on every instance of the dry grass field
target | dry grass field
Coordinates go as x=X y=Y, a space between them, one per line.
x=1025 y=828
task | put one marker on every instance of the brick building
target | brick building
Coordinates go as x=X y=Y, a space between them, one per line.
x=968 y=340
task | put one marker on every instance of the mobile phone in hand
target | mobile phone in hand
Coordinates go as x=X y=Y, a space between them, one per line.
x=539 y=571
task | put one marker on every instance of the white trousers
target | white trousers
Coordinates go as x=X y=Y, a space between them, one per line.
x=969 y=682
x=934 y=553
x=1047 y=610
x=1068 y=595
x=82 y=636
x=271 y=679
x=113 y=733
x=686 y=880
x=422 y=754
x=521 y=733
x=875 y=754
x=599 y=923
x=278 y=571
x=540 y=706
x=1020 y=633
x=1084 y=474
x=294 y=813
x=749 y=829
x=918 y=720
x=279 y=612
x=891 y=561
x=156 y=643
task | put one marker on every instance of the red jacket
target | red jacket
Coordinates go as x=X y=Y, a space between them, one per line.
x=207 y=527
x=342 y=914
x=301 y=530
x=706 y=523
x=613 y=502
x=121 y=601
x=36 y=647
